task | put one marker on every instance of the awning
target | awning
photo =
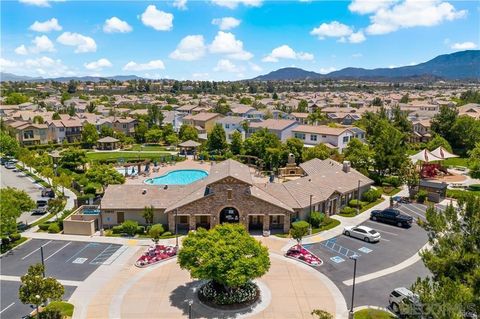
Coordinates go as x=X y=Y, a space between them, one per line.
x=442 y=153
x=425 y=156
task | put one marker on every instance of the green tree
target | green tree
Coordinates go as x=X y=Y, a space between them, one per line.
x=316 y=117
x=188 y=132
x=106 y=130
x=320 y=151
x=172 y=139
x=140 y=130
x=36 y=290
x=246 y=100
x=410 y=176
x=155 y=232
x=377 y=101
x=405 y=98
x=453 y=289
x=37 y=119
x=8 y=145
x=167 y=131
x=12 y=204
x=72 y=87
x=437 y=141
x=155 y=116
x=258 y=142
x=359 y=155
x=222 y=108
x=466 y=132
x=236 y=145
x=55 y=206
x=16 y=98
x=73 y=158
x=148 y=214
x=400 y=120
x=388 y=146
x=302 y=106
x=89 y=135
x=91 y=107
x=299 y=230
x=442 y=123
x=226 y=254
x=104 y=175
x=217 y=141
x=64 y=180
x=474 y=161
x=292 y=146
x=153 y=135
x=56 y=116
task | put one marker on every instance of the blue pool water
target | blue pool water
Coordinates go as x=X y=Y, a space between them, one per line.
x=178 y=177
x=91 y=211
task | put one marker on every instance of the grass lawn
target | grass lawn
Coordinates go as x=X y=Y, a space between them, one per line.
x=147 y=147
x=456 y=161
x=364 y=208
x=454 y=193
x=331 y=224
x=97 y=156
x=372 y=314
x=13 y=245
x=65 y=308
x=392 y=193
x=41 y=220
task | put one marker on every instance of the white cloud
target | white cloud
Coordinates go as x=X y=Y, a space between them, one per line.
x=152 y=65
x=39 y=3
x=332 y=29
x=98 y=65
x=180 y=4
x=338 y=30
x=43 y=66
x=114 y=25
x=412 y=13
x=327 y=70
x=200 y=76
x=157 y=19
x=226 y=43
x=7 y=64
x=286 y=52
x=226 y=23
x=82 y=43
x=46 y=26
x=356 y=37
x=464 y=46
x=255 y=67
x=21 y=50
x=357 y=55
x=42 y=44
x=225 y=65
x=190 y=48
x=369 y=6
x=232 y=4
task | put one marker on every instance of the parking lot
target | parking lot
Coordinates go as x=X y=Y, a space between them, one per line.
x=69 y=261
x=396 y=245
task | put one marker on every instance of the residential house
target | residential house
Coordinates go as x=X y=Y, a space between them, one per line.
x=231 y=124
x=29 y=134
x=421 y=132
x=203 y=122
x=73 y=130
x=334 y=137
x=281 y=128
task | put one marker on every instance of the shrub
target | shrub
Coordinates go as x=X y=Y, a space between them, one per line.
x=356 y=203
x=316 y=218
x=53 y=228
x=392 y=180
x=371 y=195
x=130 y=227
x=474 y=187
x=5 y=241
x=299 y=229
x=156 y=231
x=117 y=229
x=44 y=226
x=90 y=189
x=422 y=196
x=140 y=230
x=348 y=210
x=166 y=234
x=15 y=237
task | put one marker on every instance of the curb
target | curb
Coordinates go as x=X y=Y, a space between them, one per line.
x=9 y=251
x=374 y=307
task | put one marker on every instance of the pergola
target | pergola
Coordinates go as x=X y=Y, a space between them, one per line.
x=108 y=143
x=189 y=146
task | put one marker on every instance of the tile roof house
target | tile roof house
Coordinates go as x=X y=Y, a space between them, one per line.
x=281 y=128
x=203 y=122
x=336 y=137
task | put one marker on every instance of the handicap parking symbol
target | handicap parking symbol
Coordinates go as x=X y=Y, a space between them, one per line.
x=337 y=259
x=79 y=260
x=365 y=250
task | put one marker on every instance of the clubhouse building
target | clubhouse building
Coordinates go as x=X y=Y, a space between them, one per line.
x=228 y=194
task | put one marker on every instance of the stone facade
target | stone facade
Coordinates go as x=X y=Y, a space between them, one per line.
x=230 y=192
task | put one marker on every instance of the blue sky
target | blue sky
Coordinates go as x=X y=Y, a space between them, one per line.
x=228 y=39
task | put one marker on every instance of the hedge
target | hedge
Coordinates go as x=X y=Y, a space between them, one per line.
x=371 y=195
x=53 y=228
x=474 y=187
x=316 y=218
x=356 y=203
x=348 y=210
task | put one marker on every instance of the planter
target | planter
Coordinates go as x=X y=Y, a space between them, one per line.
x=215 y=296
x=156 y=254
x=298 y=252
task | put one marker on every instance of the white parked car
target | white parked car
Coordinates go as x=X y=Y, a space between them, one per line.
x=362 y=232
x=10 y=165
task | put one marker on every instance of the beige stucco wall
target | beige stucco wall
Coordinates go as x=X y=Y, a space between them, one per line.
x=109 y=217
x=79 y=227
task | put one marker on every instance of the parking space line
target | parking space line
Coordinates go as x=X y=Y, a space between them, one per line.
x=26 y=256
x=380 y=224
x=102 y=255
x=7 y=307
x=387 y=232
x=339 y=249
x=417 y=209
x=78 y=252
x=420 y=215
x=58 y=250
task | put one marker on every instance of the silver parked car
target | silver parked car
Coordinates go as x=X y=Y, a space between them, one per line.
x=362 y=232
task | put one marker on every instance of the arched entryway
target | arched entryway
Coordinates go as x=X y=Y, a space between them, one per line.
x=229 y=215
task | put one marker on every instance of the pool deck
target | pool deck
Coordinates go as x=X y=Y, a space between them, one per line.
x=187 y=164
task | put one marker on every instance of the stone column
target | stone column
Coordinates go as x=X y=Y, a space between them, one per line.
x=171 y=222
x=286 y=223
x=192 y=221
x=213 y=221
x=266 y=222
x=244 y=220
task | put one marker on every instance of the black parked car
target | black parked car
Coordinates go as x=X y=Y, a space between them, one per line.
x=391 y=216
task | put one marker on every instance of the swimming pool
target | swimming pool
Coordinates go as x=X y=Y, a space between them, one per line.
x=178 y=177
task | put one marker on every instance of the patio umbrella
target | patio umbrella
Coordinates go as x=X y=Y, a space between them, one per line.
x=133 y=170
x=425 y=156
x=442 y=153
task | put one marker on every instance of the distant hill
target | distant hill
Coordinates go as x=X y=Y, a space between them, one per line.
x=13 y=77
x=458 y=65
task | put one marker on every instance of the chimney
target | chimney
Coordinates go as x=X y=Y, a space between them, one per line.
x=346 y=166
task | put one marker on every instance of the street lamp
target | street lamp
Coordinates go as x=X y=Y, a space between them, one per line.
x=43 y=260
x=354 y=258
x=190 y=303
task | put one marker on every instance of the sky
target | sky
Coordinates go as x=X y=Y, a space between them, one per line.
x=228 y=39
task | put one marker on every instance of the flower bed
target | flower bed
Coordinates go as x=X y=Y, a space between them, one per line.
x=215 y=295
x=298 y=252
x=156 y=254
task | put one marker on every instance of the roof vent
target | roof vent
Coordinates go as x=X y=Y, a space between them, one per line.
x=346 y=166
x=144 y=191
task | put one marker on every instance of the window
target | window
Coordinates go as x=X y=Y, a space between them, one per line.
x=28 y=134
x=124 y=125
x=313 y=137
x=345 y=139
x=229 y=194
x=183 y=219
x=227 y=126
x=300 y=135
x=62 y=129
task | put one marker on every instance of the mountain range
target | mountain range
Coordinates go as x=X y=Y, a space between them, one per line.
x=461 y=65
x=13 y=77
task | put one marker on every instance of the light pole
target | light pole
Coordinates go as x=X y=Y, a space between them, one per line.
x=354 y=258
x=43 y=260
x=190 y=303
x=176 y=228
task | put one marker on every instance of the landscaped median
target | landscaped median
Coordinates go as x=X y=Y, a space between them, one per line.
x=372 y=313
x=131 y=155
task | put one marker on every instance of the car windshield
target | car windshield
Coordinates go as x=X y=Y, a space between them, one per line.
x=373 y=232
